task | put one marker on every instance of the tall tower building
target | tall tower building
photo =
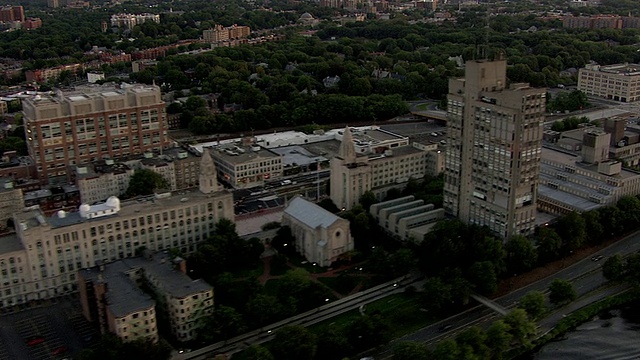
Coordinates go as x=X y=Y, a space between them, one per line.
x=208 y=174
x=350 y=174
x=495 y=139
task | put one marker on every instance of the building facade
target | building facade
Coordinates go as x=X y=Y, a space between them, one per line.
x=98 y=122
x=390 y=164
x=620 y=82
x=407 y=218
x=246 y=164
x=46 y=252
x=493 y=152
x=321 y=237
x=111 y=296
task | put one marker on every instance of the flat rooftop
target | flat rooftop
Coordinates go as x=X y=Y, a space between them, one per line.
x=10 y=243
x=576 y=202
x=235 y=154
x=568 y=158
x=622 y=69
x=123 y=296
x=128 y=208
x=297 y=155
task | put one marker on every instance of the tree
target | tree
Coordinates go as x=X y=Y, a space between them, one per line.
x=498 y=339
x=226 y=322
x=594 y=226
x=446 y=350
x=367 y=199
x=367 y=332
x=145 y=182
x=520 y=327
x=294 y=343
x=483 y=277
x=572 y=230
x=436 y=294
x=521 y=255
x=561 y=291
x=474 y=338
x=409 y=350
x=332 y=344
x=264 y=309
x=533 y=304
x=256 y=352
x=549 y=244
x=613 y=268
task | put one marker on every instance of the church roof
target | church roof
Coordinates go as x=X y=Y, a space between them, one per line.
x=310 y=214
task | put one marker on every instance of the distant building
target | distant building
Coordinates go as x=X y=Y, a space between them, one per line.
x=110 y=295
x=32 y=23
x=128 y=21
x=320 y=236
x=95 y=76
x=221 y=34
x=618 y=82
x=43 y=75
x=11 y=13
x=11 y=202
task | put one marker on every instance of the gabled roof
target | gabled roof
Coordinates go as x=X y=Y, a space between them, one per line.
x=310 y=214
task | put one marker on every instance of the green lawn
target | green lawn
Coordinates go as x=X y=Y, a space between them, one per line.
x=422 y=107
x=401 y=312
x=341 y=284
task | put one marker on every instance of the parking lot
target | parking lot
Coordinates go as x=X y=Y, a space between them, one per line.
x=53 y=332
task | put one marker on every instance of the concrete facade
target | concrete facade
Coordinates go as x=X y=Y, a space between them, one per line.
x=407 y=218
x=493 y=152
x=620 y=82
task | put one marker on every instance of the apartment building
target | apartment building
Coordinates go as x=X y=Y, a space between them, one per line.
x=11 y=13
x=128 y=21
x=620 y=82
x=124 y=310
x=493 y=151
x=94 y=122
x=222 y=34
x=390 y=163
x=43 y=75
x=47 y=251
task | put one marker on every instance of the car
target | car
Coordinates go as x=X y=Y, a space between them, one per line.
x=35 y=340
x=444 y=328
x=59 y=350
x=596 y=258
x=435 y=134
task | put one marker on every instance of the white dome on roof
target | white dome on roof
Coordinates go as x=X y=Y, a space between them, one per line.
x=113 y=202
x=306 y=16
x=84 y=210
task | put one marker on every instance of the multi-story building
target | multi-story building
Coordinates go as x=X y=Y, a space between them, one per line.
x=391 y=164
x=47 y=251
x=11 y=13
x=102 y=179
x=128 y=21
x=43 y=75
x=492 y=161
x=222 y=34
x=583 y=177
x=110 y=298
x=105 y=292
x=99 y=122
x=246 y=164
x=11 y=202
x=620 y=82
x=32 y=23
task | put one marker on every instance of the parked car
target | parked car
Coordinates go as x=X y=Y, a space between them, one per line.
x=35 y=340
x=59 y=350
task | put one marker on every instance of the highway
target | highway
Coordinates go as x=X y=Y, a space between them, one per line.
x=308 y=318
x=586 y=276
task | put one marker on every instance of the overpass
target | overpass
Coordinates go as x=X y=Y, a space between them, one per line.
x=433 y=115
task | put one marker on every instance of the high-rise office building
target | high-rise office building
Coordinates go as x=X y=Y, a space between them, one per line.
x=99 y=122
x=493 y=158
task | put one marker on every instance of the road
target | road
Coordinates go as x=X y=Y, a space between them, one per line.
x=309 y=318
x=585 y=276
